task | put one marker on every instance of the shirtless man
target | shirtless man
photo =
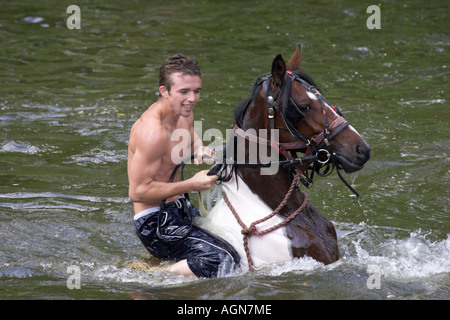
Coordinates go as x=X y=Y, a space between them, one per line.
x=150 y=163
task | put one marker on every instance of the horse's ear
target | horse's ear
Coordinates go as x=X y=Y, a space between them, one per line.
x=278 y=70
x=296 y=60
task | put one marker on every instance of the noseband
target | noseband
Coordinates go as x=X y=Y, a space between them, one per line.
x=316 y=157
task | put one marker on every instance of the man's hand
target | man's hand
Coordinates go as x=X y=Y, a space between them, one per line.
x=202 y=181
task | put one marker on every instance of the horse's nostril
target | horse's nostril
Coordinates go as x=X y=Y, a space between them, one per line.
x=358 y=149
x=363 y=151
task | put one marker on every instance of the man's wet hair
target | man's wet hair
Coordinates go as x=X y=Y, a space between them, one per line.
x=177 y=63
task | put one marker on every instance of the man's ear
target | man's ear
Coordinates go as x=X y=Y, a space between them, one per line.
x=163 y=91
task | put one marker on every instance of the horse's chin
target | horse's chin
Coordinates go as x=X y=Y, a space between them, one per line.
x=347 y=164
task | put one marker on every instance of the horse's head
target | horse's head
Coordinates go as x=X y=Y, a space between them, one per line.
x=303 y=114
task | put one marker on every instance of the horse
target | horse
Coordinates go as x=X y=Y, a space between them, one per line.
x=267 y=218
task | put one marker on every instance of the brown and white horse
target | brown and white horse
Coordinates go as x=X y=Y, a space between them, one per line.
x=266 y=217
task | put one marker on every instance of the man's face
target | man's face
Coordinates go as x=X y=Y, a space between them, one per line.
x=184 y=93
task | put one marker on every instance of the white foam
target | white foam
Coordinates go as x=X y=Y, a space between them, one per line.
x=411 y=257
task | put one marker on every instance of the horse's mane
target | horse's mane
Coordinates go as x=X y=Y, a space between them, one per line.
x=239 y=111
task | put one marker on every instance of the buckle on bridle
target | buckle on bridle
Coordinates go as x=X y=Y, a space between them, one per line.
x=271 y=102
x=323 y=156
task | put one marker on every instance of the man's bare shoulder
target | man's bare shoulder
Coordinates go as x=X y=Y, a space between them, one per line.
x=148 y=130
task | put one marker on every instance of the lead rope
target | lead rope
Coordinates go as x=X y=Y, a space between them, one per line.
x=249 y=231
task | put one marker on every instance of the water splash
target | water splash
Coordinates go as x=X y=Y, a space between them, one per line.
x=20 y=146
x=412 y=257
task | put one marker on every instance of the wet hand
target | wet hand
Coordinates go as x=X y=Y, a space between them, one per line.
x=204 y=182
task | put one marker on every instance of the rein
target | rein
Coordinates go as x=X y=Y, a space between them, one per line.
x=176 y=238
x=252 y=230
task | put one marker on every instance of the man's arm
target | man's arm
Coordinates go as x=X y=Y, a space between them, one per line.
x=145 y=165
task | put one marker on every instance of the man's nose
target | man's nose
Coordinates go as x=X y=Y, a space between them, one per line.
x=192 y=97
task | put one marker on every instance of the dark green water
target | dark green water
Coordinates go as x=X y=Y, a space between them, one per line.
x=68 y=99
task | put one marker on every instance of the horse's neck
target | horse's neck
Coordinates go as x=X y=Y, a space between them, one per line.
x=272 y=189
x=244 y=200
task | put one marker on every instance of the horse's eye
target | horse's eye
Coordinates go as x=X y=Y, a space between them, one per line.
x=304 y=107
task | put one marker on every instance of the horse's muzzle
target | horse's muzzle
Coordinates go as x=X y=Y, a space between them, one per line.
x=354 y=161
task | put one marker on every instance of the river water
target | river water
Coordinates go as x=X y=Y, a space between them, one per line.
x=68 y=99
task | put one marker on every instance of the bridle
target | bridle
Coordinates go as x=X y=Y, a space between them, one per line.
x=316 y=156
x=317 y=159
